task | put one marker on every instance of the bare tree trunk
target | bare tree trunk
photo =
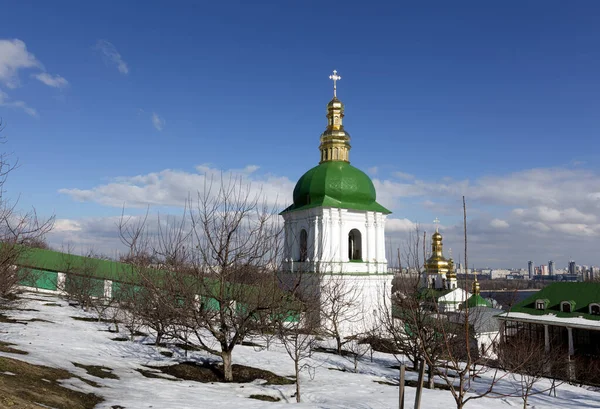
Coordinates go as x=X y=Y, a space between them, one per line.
x=297 y=371
x=430 y=382
x=227 y=370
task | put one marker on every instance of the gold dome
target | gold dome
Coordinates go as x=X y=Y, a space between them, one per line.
x=436 y=264
x=335 y=141
x=476 y=289
x=451 y=272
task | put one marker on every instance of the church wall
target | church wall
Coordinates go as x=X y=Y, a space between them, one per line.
x=370 y=295
x=328 y=230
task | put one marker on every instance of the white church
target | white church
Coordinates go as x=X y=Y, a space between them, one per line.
x=335 y=227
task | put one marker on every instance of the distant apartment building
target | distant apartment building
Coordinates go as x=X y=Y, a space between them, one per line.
x=544 y=270
x=551 y=268
x=530 y=269
x=594 y=273
x=572 y=268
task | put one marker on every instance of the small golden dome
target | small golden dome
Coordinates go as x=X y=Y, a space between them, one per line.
x=335 y=103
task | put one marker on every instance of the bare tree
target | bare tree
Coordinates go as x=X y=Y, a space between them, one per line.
x=296 y=330
x=528 y=362
x=357 y=347
x=83 y=282
x=218 y=266
x=340 y=310
x=460 y=355
x=18 y=233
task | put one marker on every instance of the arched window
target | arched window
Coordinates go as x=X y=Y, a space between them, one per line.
x=303 y=245
x=595 y=309
x=565 y=306
x=354 y=245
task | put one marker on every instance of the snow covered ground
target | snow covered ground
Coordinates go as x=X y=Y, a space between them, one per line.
x=64 y=340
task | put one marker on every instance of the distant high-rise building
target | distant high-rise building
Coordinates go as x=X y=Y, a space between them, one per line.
x=530 y=269
x=572 y=268
x=544 y=270
x=551 y=268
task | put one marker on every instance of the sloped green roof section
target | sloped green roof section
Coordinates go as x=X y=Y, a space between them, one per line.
x=335 y=184
x=581 y=295
x=55 y=261
x=476 y=300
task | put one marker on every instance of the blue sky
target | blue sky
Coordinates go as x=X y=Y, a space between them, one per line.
x=498 y=102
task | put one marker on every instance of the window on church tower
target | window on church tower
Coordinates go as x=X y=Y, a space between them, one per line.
x=303 y=245
x=354 y=245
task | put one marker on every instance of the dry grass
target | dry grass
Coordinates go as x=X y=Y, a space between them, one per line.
x=28 y=386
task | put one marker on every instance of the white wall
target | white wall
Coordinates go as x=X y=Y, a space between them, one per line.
x=328 y=230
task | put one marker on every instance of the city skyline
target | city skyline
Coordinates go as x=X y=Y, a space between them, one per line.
x=114 y=106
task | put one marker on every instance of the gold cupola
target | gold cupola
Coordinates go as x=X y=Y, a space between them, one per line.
x=451 y=271
x=437 y=264
x=335 y=141
x=476 y=289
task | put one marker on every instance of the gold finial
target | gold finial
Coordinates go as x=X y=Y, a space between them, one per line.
x=335 y=79
x=437 y=225
x=475 y=284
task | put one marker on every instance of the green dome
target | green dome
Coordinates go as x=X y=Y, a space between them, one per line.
x=335 y=184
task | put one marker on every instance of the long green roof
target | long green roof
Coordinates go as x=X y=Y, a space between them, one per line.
x=50 y=260
x=583 y=294
x=55 y=261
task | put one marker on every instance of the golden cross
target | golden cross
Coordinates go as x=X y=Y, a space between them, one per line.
x=335 y=78
x=437 y=224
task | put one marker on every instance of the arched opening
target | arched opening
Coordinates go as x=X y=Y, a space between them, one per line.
x=595 y=309
x=354 y=245
x=303 y=245
x=566 y=306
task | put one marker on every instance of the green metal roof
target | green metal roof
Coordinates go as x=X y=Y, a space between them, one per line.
x=581 y=295
x=49 y=260
x=335 y=184
x=476 y=300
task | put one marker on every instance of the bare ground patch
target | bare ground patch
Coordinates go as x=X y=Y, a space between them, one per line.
x=7 y=320
x=28 y=386
x=213 y=372
x=7 y=347
x=266 y=398
x=97 y=371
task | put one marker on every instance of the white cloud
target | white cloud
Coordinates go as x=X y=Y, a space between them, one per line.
x=173 y=187
x=499 y=224
x=404 y=176
x=399 y=225
x=373 y=170
x=111 y=56
x=158 y=122
x=14 y=57
x=55 y=81
x=66 y=225
x=7 y=102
